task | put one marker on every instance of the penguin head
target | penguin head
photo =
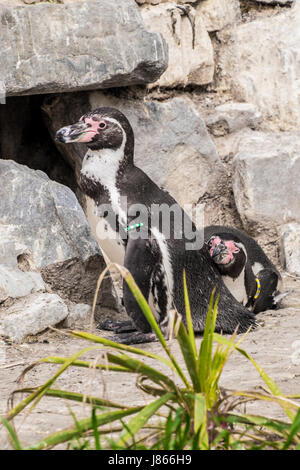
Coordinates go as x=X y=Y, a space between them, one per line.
x=103 y=128
x=227 y=252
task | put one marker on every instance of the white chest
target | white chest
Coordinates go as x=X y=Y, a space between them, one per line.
x=237 y=287
x=108 y=239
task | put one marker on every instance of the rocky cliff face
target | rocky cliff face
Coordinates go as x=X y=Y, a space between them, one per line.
x=212 y=90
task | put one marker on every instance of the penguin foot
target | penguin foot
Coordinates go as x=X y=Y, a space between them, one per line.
x=116 y=326
x=134 y=338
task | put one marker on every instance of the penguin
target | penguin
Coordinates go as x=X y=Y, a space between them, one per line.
x=246 y=270
x=121 y=200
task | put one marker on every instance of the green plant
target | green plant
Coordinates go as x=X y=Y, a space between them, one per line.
x=188 y=409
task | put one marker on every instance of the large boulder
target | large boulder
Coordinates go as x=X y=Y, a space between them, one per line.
x=32 y=315
x=172 y=144
x=265 y=180
x=90 y=44
x=15 y=283
x=191 y=55
x=259 y=63
x=43 y=229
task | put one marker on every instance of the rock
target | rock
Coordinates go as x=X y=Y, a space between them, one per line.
x=50 y=233
x=79 y=316
x=172 y=144
x=15 y=283
x=259 y=63
x=61 y=53
x=265 y=178
x=191 y=56
x=232 y=117
x=217 y=14
x=32 y=315
x=290 y=247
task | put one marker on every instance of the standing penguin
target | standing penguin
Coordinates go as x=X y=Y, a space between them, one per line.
x=154 y=255
x=246 y=270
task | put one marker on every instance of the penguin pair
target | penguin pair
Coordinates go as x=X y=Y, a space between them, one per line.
x=245 y=269
x=153 y=253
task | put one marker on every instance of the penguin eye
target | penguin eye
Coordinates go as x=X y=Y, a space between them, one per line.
x=102 y=125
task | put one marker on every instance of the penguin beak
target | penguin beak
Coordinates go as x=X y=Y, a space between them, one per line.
x=218 y=253
x=74 y=133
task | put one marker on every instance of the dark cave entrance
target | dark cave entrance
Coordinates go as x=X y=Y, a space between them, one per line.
x=24 y=138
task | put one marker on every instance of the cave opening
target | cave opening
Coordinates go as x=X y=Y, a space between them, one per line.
x=24 y=138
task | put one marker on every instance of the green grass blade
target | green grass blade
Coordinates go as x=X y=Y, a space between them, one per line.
x=153 y=323
x=266 y=378
x=200 y=420
x=295 y=429
x=141 y=368
x=13 y=436
x=74 y=396
x=278 y=427
x=206 y=347
x=120 y=347
x=189 y=320
x=136 y=423
x=189 y=357
x=80 y=363
x=82 y=427
x=38 y=394
x=145 y=309
x=95 y=429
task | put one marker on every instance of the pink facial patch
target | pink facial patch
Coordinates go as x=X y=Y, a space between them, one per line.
x=231 y=247
x=91 y=131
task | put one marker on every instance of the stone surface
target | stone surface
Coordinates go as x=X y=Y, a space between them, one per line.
x=259 y=63
x=61 y=53
x=172 y=144
x=187 y=64
x=79 y=316
x=217 y=14
x=15 y=283
x=232 y=117
x=50 y=232
x=31 y=315
x=265 y=178
x=290 y=247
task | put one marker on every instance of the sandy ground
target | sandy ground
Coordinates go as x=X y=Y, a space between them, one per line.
x=273 y=345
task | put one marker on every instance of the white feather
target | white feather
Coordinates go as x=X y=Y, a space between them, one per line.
x=237 y=287
x=166 y=261
x=256 y=267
